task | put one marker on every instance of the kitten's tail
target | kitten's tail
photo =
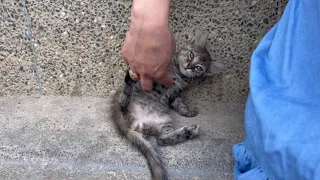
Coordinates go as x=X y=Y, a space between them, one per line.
x=156 y=166
x=119 y=115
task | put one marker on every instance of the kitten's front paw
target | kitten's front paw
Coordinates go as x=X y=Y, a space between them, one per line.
x=191 y=112
x=165 y=141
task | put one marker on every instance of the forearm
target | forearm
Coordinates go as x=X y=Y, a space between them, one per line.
x=150 y=13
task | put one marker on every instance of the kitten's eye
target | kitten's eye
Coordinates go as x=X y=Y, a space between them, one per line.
x=191 y=55
x=199 y=68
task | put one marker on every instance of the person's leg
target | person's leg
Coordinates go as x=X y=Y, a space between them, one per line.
x=282 y=116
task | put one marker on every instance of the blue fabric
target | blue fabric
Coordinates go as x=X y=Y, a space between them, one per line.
x=282 y=115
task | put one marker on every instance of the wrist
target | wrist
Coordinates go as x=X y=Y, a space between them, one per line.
x=150 y=13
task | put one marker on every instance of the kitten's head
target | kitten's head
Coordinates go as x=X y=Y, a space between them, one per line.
x=195 y=61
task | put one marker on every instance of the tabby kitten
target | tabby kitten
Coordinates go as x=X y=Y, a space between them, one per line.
x=137 y=113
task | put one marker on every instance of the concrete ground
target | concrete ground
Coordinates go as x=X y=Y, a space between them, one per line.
x=57 y=137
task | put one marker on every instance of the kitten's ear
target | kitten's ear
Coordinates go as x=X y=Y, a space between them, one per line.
x=215 y=68
x=200 y=38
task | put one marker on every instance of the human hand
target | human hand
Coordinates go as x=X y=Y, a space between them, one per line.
x=149 y=44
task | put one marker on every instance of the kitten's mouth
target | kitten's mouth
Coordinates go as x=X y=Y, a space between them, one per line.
x=188 y=69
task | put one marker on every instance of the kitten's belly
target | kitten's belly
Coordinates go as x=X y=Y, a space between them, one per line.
x=147 y=115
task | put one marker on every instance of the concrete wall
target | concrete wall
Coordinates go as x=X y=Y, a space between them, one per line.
x=78 y=43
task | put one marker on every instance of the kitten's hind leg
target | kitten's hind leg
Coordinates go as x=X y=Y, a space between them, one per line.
x=173 y=137
x=126 y=93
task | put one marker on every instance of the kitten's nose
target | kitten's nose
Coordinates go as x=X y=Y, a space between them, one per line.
x=191 y=66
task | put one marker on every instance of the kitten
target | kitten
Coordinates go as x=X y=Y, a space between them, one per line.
x=137 y=113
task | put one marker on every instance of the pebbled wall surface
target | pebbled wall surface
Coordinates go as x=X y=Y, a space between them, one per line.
x=77 y=44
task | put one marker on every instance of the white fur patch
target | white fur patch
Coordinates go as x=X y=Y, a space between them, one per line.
x=147 y=116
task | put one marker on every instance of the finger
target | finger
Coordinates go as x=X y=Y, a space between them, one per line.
x=146 y=83
x=165 y=80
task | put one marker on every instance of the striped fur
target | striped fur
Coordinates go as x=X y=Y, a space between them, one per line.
x=137 y=113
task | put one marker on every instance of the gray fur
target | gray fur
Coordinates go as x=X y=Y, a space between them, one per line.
x=137 y=113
